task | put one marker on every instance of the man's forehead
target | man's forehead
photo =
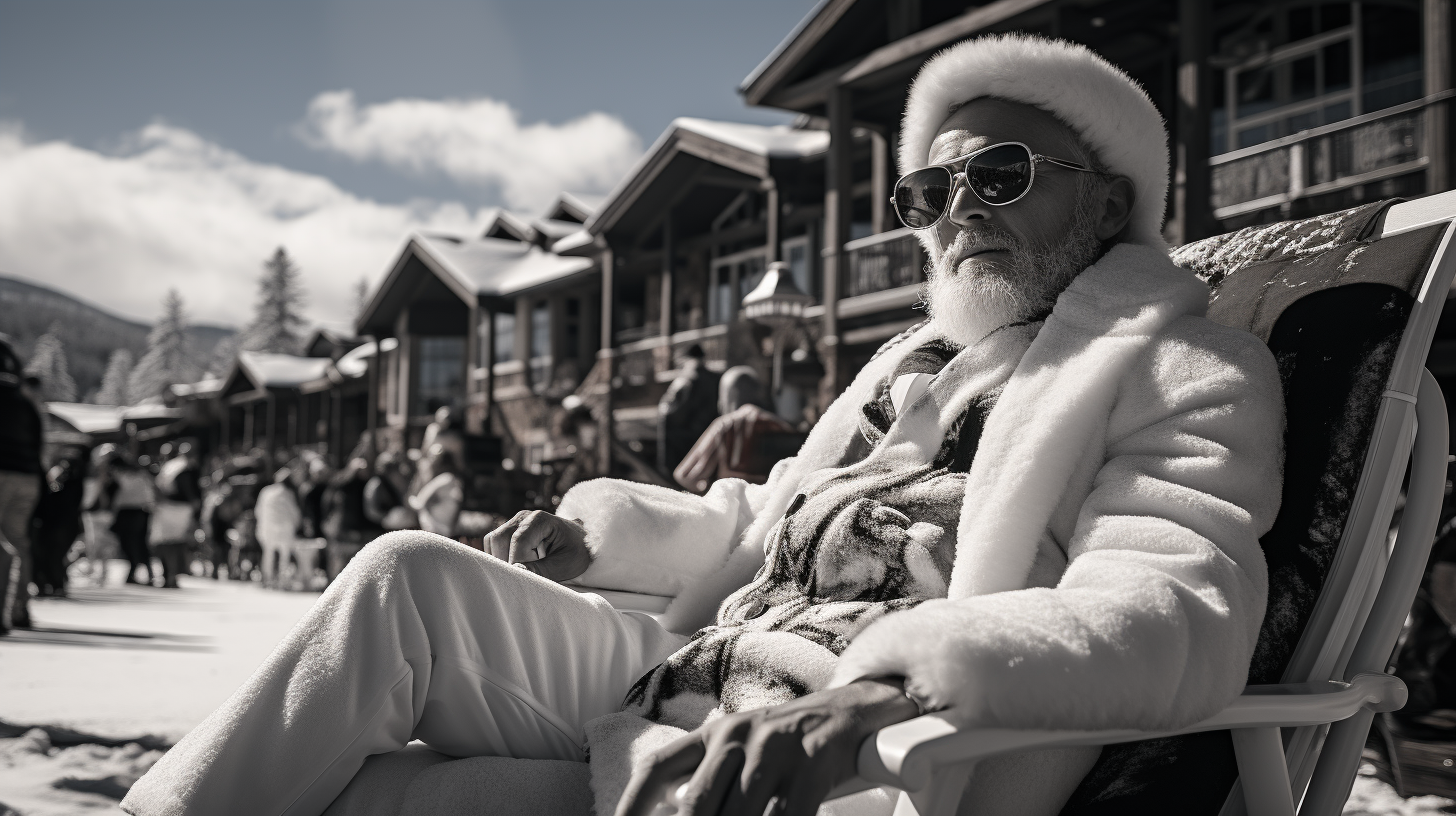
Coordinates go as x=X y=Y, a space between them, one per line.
x=988 y=121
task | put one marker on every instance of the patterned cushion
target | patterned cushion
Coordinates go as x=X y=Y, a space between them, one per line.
x=1332 y=305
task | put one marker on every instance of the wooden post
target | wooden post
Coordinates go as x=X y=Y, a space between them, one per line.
x=605 y=359
x=882 y=220
x=1192 y=185
x=669 y=249
x=837 y=213
x=1437 y=31
x=487 y=327
x=473 y=383
x=371 y=409
x=772 y=204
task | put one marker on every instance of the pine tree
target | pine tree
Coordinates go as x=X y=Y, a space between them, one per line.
x=114 y=382
x=278 y=322
x=48 y=362
x=168 y=359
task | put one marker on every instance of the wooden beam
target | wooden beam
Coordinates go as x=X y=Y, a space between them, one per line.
x=771 y=203
x=887 y=58
x=1192 y=177
x=838 y=203
x=606 y=431
x=792 y=50
x=1437 y=31
x=664 y=319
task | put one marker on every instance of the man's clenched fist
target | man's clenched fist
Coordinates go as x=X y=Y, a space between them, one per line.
x=548 y=545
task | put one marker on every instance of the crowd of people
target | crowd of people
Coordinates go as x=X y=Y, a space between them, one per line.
x=67 y=509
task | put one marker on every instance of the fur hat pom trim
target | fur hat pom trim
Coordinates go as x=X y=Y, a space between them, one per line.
x=1108 y=109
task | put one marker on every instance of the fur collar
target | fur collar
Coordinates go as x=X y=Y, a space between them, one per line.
x=1057 y=399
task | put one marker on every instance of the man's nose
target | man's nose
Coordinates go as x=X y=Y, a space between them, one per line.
x=965 y=207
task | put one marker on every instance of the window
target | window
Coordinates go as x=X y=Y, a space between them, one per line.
x=1304 y=65
x=795 y=253
x=441 y=373
x=746 y=269
x=505 y=336
x=541 y=343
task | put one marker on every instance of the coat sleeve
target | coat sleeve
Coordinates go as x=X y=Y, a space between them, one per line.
x=1155 y=619
x=646 y=538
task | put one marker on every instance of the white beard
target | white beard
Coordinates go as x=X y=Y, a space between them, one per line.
x=970 y=302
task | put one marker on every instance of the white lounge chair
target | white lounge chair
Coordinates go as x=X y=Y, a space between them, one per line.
x=1297 y=742
x=1319 y=675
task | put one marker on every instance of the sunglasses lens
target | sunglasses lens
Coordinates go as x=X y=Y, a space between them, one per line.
x=921 y=197
x=1000 y=175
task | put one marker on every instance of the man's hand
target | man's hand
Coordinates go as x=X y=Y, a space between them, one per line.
x=548 y=545
x=795 y=753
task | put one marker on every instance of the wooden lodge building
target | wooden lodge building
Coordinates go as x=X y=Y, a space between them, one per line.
x=1276 y=109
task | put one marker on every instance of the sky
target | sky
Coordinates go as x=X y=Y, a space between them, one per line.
x=150 y=144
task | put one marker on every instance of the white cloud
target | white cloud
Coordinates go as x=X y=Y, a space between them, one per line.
x=478 y=142
x=173 y=209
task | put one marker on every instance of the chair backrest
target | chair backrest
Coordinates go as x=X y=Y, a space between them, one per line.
x=1345 y=307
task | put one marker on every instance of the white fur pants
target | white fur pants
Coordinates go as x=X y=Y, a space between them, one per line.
x=419 y=638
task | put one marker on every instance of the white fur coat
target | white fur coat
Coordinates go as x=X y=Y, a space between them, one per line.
x=1108 y=571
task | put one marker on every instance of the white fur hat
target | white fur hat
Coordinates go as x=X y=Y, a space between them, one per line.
x=1106 y=107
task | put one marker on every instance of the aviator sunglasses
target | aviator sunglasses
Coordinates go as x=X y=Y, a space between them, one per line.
x=998 y=175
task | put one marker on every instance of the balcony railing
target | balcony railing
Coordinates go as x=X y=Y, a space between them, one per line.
x=1388 y=145
x=888 y=260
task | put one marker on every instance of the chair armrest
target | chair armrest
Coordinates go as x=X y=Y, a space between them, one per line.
x=905 y=755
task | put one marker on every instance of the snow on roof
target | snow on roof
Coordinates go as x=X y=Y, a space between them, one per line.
x=491 y=266
x=282 y=370
x=775 y=141
x=576 y=240
x=356 y=362
x=201 y=388
x=555 y=230
x=152 y=408
x=87 y=418
x=586 y=201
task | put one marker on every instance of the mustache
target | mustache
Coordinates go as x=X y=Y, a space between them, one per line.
x=973 y=239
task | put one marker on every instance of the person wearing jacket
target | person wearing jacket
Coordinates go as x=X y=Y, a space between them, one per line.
x=132 y=505
x=20 y=483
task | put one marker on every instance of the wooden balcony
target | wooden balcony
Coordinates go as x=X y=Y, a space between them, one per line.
x=1315 y=171
x=888 y=260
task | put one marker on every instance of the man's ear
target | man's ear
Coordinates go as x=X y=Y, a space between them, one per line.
x=1116 y=208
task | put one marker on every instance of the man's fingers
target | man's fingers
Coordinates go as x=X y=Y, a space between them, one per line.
x=498 y=542
x=804 y=792
x=528 y=542
x=765 y=765
x=650 y=786
x=716 y=775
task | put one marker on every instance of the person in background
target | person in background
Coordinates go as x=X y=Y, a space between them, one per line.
x=279 y=518
x=174 y=522
x=729 y=448
x=58 y=521
x=20 y=479
x=132 y=503
x=385 y=492
x=314 y=479
x=438 y=502
x=346 y=526
x=686 y=409
x=97 y=515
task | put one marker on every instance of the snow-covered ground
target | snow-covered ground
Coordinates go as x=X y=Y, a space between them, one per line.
x=127 y=662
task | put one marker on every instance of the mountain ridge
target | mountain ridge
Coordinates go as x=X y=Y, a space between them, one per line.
x=89 y=332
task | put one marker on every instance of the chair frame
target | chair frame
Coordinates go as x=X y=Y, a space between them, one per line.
x=1297 y=740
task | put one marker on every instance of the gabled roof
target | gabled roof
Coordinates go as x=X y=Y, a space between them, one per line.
x=737 y=154
x=574 y=207
x=201 y=389
x=850 y=43
x=87 y=419
x=263 y=370
x=471 y=268
x=507 y=226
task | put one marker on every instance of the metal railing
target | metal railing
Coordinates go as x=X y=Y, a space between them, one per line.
x=1365 y=149
x=888 y=260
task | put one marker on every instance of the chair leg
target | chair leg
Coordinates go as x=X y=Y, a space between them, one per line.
x=1262 y=769
x=941 y=796
x=1339 y=761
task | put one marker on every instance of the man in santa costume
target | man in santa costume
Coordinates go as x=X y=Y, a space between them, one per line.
x=1039 y=509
